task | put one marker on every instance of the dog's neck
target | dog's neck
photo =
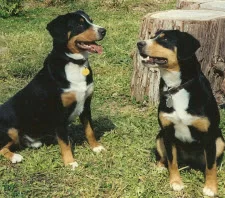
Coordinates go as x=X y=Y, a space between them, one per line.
x=171 y=78
x=189 y=69
x=79 y=58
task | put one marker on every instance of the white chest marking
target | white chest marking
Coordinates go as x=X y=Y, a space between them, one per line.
x=180 y=117
x=78 y=85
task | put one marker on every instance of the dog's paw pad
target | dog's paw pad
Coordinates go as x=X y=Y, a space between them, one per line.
x=98 y=149
x=177 y=186
x=208 y=192
x=16 y=158
x=73 y=165
x=36 y=144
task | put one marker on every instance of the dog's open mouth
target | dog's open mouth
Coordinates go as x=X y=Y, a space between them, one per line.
x=91 y=47
x=153 y=60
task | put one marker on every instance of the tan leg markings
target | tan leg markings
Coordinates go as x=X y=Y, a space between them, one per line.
x=162 y=152
x=66 y=152
x=6 y=152
x=220 y=146
x=13 y=134
x=68 y=98
x=175 y=180
x=202 y=124
x=165 y=122
x=210 y=188
x=90 y=135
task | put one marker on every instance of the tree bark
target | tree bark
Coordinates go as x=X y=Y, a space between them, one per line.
x=205 y=25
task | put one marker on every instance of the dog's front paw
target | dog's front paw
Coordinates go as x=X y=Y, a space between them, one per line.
x=177 y=185
x=73 y=165
x=16 y=158
x=209 y=191
x=98 y=149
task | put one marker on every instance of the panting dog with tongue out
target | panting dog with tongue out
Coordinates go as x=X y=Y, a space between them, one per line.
x=188 y=114
x=61 y=90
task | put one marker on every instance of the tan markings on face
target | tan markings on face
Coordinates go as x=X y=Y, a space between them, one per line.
x=13 y=134
x=161 y=35
x=202 y=124
x=156 y=50
x=6 y=152
x=173 y=168
x=211 y=178
x=162 y=152
x=87 y=36
x=220 y=146
x=165 y=122
x=81 y=20
x=66 y=152
x=68 y=98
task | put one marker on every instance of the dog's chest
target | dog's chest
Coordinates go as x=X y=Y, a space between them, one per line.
x=180 y=117
x=79 y=86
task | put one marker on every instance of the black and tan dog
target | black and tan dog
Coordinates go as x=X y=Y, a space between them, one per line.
x=60 y=91
x=188 y=114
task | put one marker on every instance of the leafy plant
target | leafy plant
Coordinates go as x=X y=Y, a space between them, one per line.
x=10 y=7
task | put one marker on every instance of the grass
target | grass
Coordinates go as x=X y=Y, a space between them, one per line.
x=127 y=129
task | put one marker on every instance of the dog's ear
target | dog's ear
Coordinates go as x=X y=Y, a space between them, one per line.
x=187 y=45
x=58 y=28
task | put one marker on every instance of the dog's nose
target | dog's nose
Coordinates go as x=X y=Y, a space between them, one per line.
x=102 y=31
x=141 y=44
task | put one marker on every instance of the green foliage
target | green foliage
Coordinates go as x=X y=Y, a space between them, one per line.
x=10 y=7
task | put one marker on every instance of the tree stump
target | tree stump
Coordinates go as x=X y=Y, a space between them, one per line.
x=207 y=26
x=201 y=4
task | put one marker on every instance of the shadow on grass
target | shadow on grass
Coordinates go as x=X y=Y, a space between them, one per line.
x=100 y=127
x=76 y=132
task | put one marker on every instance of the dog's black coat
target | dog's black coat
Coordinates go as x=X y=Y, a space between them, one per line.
x=177 y=50
x=201 y=103
x=37 y=109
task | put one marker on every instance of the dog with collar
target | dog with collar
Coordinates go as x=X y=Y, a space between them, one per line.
x=188 y=114
x=61 y=90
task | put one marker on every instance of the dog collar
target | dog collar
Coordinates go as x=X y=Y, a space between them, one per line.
x=76 y=61
x=174 y=90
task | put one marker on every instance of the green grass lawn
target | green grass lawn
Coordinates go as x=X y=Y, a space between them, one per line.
x=126 y=129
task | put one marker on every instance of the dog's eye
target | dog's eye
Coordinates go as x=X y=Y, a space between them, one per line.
x=164 y=39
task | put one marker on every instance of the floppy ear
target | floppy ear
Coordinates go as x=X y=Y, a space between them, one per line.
x=58 y=28
x=187 y=45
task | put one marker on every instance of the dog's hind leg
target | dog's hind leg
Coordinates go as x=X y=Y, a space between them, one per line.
x=161 y=153
x=5 y=151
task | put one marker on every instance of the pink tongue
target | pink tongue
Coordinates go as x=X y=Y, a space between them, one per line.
x=96 y=48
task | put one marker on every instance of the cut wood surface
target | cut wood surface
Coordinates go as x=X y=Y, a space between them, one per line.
x=201 y=4
x=207 y=26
